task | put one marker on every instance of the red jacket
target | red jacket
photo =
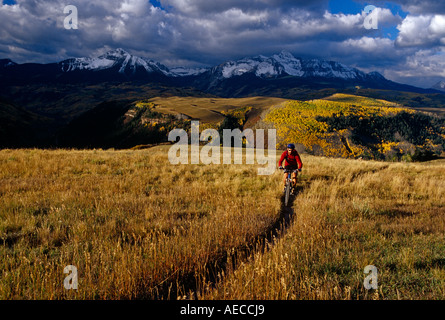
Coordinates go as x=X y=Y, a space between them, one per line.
x=292 y=159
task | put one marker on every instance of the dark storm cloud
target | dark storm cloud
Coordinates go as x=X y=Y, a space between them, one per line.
x=199 y=7
x=219 y=29
x=203 y=32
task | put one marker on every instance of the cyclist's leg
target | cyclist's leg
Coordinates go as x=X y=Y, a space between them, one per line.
x=294 y=179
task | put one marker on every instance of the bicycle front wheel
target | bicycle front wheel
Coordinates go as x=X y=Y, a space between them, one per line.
x=287 y=193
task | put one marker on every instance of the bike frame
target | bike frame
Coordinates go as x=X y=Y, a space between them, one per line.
x=289 y=173
x=288 y=184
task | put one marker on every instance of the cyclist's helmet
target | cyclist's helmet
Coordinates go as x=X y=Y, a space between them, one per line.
x=291 y=146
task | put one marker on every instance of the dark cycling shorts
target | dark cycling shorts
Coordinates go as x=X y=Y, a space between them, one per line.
x=291 y=167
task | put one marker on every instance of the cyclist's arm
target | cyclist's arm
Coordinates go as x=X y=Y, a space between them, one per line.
x=281 y=159
x=300 y=164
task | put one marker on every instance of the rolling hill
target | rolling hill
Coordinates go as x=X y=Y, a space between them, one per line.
x=339 y=125
x=67 y=92
x=350 y=126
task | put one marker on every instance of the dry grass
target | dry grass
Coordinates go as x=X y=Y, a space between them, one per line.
x=128 y=220
x=132 y=223
x=208 y=110
x=350 y=214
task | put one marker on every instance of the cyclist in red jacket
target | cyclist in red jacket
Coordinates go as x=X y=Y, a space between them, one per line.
x=292 y=161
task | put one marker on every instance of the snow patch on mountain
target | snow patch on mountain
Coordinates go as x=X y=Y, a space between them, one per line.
x=330 y=69
x=260 y=65
x=266 y=69
x=291 y=65
x=124 y=64
x=232 y=68
x=184 y=72
x=86 y=64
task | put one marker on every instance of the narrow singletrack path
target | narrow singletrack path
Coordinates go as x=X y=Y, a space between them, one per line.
x=189 y=285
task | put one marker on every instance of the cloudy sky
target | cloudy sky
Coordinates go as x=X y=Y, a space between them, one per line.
x=408 y=45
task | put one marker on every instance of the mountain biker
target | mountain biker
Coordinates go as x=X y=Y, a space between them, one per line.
x=292 y=161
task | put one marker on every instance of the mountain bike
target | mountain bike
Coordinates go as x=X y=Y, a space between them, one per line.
x=288 y=189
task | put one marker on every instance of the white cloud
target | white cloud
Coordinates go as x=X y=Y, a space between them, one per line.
x=426 y=62
x=369 y=44
x=368 y=53
x=421 y=31
x=423 y=68
x=135 y=7
x=437 y=26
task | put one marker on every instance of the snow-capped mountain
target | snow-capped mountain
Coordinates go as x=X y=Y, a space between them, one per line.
x=125 y=63
x=251 y=75
x=285 y=63
x=119 y=59
x=439 y=86
x=261 y=66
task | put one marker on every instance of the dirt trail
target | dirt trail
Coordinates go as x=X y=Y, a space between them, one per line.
x=188 y=284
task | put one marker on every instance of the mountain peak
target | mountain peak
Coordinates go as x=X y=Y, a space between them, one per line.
x=4 y=63
x=284 y=54
x=116 y=53
x=116 y=58
x=439 y=86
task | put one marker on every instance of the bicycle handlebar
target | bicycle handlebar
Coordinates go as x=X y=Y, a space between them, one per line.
x=287 y=170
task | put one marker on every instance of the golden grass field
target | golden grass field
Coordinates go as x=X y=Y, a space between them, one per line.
x=350 y=214
x=128 y=220
x=208 y=110
x=136 y=226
